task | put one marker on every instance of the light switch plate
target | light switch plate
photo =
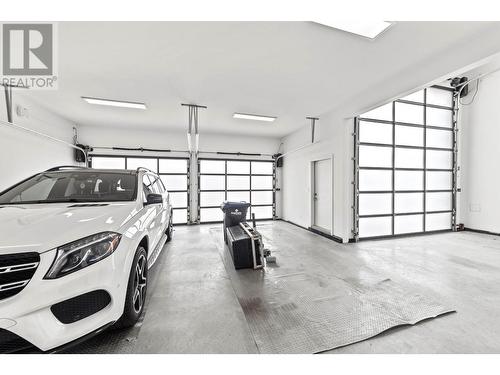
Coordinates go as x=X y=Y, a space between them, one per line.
x=475 y=207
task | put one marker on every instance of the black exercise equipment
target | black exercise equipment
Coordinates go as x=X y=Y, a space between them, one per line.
x=243 y=240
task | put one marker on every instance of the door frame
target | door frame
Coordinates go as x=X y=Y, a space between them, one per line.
x=328 y=231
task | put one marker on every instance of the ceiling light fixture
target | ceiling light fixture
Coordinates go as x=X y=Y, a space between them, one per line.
x=246 y=116
x=114 y=103
x=368 y=29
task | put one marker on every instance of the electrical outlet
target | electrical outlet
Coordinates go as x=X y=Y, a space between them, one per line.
x=22 y=111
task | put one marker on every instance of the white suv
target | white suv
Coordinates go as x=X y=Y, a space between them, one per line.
x=75 y=248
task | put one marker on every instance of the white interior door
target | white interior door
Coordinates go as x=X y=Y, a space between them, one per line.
x=322 y=195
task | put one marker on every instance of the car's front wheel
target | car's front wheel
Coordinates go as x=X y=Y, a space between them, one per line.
x=136 y=289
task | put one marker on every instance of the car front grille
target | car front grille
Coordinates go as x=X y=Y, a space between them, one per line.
x=16 y=271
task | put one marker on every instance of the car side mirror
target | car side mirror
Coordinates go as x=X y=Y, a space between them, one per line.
x=154 y=199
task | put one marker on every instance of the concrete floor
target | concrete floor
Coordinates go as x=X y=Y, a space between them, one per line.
x=193 y=307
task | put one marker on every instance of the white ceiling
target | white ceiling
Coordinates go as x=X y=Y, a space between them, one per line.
x=286 y=69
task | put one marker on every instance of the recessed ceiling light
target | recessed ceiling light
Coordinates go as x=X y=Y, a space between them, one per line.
x=246 y=116
x=368 y=29
x=114 y=103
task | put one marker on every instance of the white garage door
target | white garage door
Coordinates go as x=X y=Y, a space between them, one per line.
x=404 y=166
x=251 y=181
x=174 y=173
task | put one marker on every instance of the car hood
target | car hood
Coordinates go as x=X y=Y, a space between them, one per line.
x=42 y=227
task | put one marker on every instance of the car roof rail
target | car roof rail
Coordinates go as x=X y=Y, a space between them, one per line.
x=60 y=167
x=144 y=169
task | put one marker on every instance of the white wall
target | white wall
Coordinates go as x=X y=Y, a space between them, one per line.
x=333 y=134
x=23 y=154
x=162 y=139
x=479 y=126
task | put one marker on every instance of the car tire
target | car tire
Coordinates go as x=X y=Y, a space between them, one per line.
x=170 y=229
x=136 y=290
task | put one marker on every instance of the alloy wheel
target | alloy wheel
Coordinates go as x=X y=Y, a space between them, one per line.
x=140 y=282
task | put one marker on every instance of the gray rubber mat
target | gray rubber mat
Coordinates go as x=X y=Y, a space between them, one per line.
x=298 y=310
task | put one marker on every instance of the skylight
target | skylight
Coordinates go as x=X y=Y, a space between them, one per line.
x=368 y=29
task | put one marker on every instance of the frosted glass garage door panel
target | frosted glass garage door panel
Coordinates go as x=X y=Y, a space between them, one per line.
x=372 y=156
x=439 y=117
x=374 y=132
x=438 y=202
x=409 y=136
x=108 y=163
x=212 y=182
x=178 y=199
x=238 y=167
x=173 y=166
x=409 y=158
x=211 y=198
x=173 y=182
x=439 y=159
x=262 y=167
x=375 y=226
x=238 y=182
x=262 y=197
x=262 y=182
x=408 y=202
x=409 y=180
x=134 y=163
x=238 y=196
x=439 y=138
x=408 y=224
x=415 y=97
x=179 y=216
x=375 y=204
x=437 y=221
x=370 y=180
x=409 y=113
x=381 y=113
x=439 y=97
x=211 y=214
x=263 y=212
x=212 y=166
x=439 y=180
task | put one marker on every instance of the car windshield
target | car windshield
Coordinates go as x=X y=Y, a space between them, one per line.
x=73 y=186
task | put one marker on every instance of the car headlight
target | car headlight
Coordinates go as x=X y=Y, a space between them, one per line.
x=82 y=253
